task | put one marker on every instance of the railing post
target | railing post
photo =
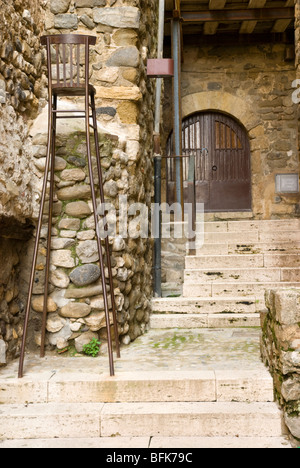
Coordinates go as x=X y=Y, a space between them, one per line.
x=192 y=202
x=157 y=221
x=177 y=110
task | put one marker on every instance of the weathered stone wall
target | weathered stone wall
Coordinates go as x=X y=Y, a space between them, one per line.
x=126 y=36
x=10 y=305
x=252 y=83
x=281 y=328
x=21 y=87
x=297 y=53
x=281 y=352
x=76 y=306
x=124 y=102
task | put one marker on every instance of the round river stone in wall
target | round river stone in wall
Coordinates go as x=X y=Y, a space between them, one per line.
x=85 y=274
x=75 y=310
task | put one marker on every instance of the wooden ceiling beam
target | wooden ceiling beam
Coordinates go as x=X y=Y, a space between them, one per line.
x=257 y=3
x=217 y=13
x=255 y=14
x=211 y=28
x=249 y=26
x=290 y=3
x=281 y=26
x=217 y=4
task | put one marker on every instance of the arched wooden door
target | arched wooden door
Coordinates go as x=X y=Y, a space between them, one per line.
x=223 y=168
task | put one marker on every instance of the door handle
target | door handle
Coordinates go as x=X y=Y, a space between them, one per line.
x=215 y=168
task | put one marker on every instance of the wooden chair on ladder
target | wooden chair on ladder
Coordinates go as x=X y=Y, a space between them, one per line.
x=65 y=79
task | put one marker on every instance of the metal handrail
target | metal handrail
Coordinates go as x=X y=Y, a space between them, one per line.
x=191 y=182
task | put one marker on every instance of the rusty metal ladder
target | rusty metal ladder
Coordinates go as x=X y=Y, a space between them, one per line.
x=66 y=78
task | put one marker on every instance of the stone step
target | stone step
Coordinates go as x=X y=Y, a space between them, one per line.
x=242 y=237
x=224 y=261
x=199 y=305
x=84 y=443
x=220 y=442
x=228 y=419
x=150 y=403
x=192 y=419
x=230 y=289
x=249 y=248
x=243 y=261
x=282 y=260
x=236 y=226
x=154 y=443
x=135 y=387
x=225 y=320
x=242 y=275
x=279 y=236
x=259 y=225
x=46 y=420
x=239 y=236
x=227 y=216
x=222 y=237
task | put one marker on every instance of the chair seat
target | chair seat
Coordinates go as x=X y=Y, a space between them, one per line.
x=72 y=90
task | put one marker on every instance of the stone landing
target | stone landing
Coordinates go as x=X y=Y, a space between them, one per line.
x=173 y=388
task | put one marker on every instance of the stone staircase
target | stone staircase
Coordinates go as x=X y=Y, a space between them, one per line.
x=224 y=284
x=81 y=408
x=229 y=404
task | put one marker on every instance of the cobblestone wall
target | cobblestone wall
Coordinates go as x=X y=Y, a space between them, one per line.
x=281 y=352
x=126 y=36
x=297 y=50
x=21 y=87
x=76 y=307
x=124 y=102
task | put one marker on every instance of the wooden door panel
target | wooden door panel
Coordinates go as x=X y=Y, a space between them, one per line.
x=231 y=196
x=223 y=167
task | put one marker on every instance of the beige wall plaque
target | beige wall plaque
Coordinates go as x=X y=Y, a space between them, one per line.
x=287 y=183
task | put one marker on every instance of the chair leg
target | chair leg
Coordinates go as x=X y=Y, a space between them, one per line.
x=50 y=215
x=107 y=248
x=37 y=239
x=101 y=259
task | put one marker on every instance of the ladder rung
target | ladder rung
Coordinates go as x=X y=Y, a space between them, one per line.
x=68 y=111
x=70 y=116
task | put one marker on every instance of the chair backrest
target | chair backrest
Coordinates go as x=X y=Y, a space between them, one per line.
x=68 y=59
